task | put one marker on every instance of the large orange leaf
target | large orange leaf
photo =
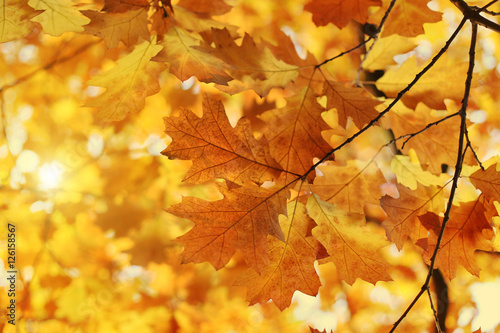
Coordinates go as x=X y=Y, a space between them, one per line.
x=217 y=149
x=349 y=187
x=120 y=6
x=340 y=12
x=467 y=230
x=488 y=181
x=128 y=83
x=350 y=102
x=402 y=213
x=210 y=7
x=353 y=248
x=294 y=132
x=242 y=220
x=407 y=18
x=126 y=27
x=291 y=265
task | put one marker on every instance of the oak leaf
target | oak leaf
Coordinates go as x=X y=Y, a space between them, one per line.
x=58 y=16
x=349 y=187
x=352 y=247
x=436 y=146
x=350 y=102
x=15 y=18
x=383 y=51
x=467 y=230
x=294 y=132
x=217 y=149
x=340 y=12
x=126 y=27
x=242 y=220
x=128 y=83
x=120 y=6
x=291 y=262
x=408 y=17
x=409 y=173
x=402 y=213
x=210 y=7
x=183 y=51
x=254 y=65
x=488 y=181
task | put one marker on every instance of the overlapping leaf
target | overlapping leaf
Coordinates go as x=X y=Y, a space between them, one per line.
x=58 y=16
x=291 y=262
x=352 y=247
x=467 y=230
x=488 y=181
x=242 y=220
x=294 y=132
x=126 y=27
x=15 y=19
x=408 y=17
x=350 y=102
x=402 y=213
x=217 y=149
x=128 y=83
x=349 y=187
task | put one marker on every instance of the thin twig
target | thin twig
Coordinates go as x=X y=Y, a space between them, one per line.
x=410 y=136
x=469 y=144
x=434 y=312
x=391 y=105
x=456 y=176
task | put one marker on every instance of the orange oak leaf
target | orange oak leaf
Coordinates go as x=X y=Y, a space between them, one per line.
x=437 y=145
x=187 y=58
x=402 y=213
x=126 y=27
x=291 y=263
x=350 y=102
x=128 y=83
x=408 y=17
x=210 y=7
x=349 y=187
x=294 y=132
x=217 y=149
x=340 y=12
x=254 y=65
x=467 y=230
x=242 y=220
x=352 y=247
x=488 y=181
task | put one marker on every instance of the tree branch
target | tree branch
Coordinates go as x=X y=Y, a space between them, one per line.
x=473 y=14
x=456 y=175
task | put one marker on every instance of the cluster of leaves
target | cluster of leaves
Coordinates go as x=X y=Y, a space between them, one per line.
x=330 y=165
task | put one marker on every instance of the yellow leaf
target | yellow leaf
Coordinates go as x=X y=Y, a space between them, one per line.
x=409 y=173
x=59 y=16
x=14 y=20
x=128 y=83
x=384 y=50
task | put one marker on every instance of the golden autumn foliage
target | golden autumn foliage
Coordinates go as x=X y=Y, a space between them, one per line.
x=249 y=166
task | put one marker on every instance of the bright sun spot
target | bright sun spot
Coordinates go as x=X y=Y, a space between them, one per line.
x=50 y=175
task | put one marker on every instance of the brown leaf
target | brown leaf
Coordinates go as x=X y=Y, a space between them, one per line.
x=294 y=132
x=467 y=230
x=217 y=149
x=120 y=6
x=209 y=7
x=487 y=181
x=241 y=221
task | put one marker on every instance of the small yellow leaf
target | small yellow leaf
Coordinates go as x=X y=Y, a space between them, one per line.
x=409 y=173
